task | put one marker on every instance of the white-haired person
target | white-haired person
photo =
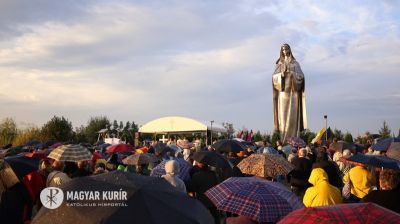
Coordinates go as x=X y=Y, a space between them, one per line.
x=172 y=170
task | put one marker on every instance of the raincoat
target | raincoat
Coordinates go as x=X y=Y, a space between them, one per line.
x=362 y=181
x=322 y=193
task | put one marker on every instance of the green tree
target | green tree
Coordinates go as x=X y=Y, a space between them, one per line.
x=398 y=134
x=58 y=128
x=134 y=127
x=121 y=125
x=115 y=124
x=275 y=137
x=94 y=125
x=229 y=129
x=307 y=136
x=385 y=131
x=8 y=131
x=258 y=137
x=27 y=134
x=80 y=134
x=348 y=137
x=127 y=125
x=338 y=134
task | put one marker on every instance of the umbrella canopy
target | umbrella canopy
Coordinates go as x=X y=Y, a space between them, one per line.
x=32 y=143
x=356 y=213
x=161 y=148
x=296 y=142
x=255 y=198
x=375 y=160
x=384 y=144
x=150 y=200
x=184 y=169
x=140 y=159
x=228 y=145
x=265 y=165
x=36 y=154
x=212 y=158
x=394 y=151
x=71 y=153
x=341 y=145
x=22 y=165
x=268 y=150
x=119 y=148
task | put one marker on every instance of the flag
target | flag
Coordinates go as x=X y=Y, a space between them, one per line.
x=319 y=135
x=240 y=135
x=250 y=136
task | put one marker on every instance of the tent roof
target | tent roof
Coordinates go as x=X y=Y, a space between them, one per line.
x=178 y=124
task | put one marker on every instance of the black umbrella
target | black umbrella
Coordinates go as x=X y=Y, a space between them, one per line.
x=149 y=200
x=32 y=143
x=161 y=148
x=22 y=165
x=375 y=160
x=228 y=145
x=211 y=158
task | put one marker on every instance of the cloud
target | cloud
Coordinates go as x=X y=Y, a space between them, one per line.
x=135 y=60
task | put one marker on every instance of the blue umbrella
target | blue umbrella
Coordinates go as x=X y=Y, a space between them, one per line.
x=375 y=160
x=22 y=165
x=32 y=143
x=384 y=144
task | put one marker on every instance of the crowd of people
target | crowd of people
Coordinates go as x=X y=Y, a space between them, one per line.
x=319 y=178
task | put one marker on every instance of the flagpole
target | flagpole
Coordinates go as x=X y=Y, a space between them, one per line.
x=326 y=128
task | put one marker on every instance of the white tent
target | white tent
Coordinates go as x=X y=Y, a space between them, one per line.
x=172 y=125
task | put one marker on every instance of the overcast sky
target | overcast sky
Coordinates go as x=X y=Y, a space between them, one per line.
x=208 y=60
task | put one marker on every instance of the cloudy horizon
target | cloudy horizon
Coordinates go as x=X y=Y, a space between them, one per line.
x=207 y=60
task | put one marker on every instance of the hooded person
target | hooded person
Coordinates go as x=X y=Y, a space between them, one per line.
x=321 y=193
x=171 y=170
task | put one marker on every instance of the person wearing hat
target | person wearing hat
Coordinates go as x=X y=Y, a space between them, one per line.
x=171 y=170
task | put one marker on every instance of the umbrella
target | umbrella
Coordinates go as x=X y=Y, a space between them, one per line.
x=140 y=159
x=22 y=165
x=70 y=153
x=265 y=165
x=375 y=160
x=394 y=151
x=56 y=145
x=268 y=150
x=228 y=145
x=341 y=145
x=384 y=144
x=255 y=198
x=119 y=148
x=32 y=143
x=161 y=148
x=212 y=158
x=36 y=154
x=184 y=169
x=296 y=142
x=354 y=213
x=149 y=200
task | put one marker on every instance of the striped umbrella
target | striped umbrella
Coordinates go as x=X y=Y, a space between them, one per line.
x=255 y=198
x=184 y=169
x=71 y=153
x=140 y=159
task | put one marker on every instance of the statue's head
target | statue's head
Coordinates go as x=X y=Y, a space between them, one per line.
x=285 y=52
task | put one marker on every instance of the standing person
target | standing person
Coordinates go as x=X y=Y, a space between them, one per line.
x=389 y=194
x=172 y=170
x=321 y=193
x=362 y=182
x=290 y=116
x=330 y=167
x=57 y=177
x=201 y=181
x=298 y=178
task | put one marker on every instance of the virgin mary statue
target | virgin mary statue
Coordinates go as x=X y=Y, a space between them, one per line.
x=289 y=105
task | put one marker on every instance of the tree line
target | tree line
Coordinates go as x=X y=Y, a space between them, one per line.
x=61 y=129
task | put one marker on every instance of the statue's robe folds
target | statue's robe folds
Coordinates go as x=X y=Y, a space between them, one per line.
x=289 y=102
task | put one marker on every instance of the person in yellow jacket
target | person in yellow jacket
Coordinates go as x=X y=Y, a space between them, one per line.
x=322 y=193
x=362 y=182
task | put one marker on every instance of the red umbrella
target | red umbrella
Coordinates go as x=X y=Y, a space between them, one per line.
x=119 y=148
x=356 y=213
